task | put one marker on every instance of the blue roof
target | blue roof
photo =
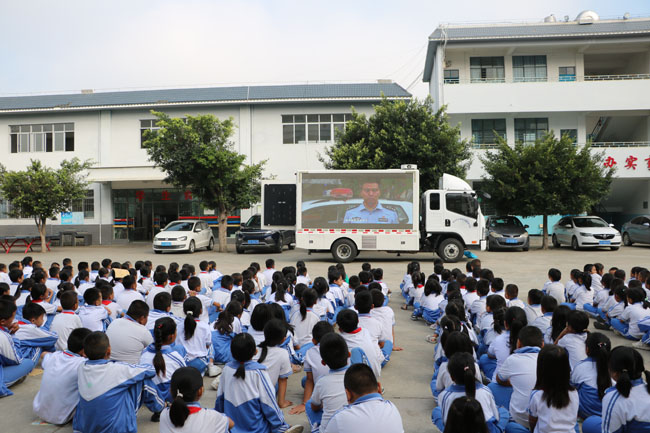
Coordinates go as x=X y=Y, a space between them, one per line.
x=217 y=95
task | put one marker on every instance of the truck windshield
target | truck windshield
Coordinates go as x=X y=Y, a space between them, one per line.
x=463 y=204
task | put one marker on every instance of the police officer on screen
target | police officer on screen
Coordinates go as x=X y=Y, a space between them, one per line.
x=370 y=211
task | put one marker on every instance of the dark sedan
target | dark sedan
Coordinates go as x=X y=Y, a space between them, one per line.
x=636 y=231
x=506 y=232
x=252 y=236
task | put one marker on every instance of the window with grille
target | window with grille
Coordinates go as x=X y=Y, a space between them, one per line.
x=312 y=128
x=49 y=137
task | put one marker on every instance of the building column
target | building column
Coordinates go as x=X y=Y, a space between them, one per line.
x=510 y=130
x=582 y=128
x=245 y=133
x=104 y=137
x=105 y=211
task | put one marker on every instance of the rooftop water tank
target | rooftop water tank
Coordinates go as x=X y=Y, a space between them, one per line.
x=587 y=17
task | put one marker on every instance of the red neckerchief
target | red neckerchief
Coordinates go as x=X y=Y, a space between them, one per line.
x=356 y=331
x=107 y=302
x=67 y=312
x=194 y=409
x=22 y=323
x=37 y=301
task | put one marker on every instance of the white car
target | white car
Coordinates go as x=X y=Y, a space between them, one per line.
x=585 y=231
x=184 y=235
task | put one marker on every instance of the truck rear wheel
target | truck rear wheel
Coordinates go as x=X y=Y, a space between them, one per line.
x=450 y=250
x=344 y=251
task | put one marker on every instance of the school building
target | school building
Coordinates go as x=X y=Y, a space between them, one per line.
x=587 y=77
x=127 y=200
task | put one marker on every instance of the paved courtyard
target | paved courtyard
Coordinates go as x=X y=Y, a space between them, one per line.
x=405 y=379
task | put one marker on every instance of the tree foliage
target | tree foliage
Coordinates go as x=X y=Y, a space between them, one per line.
x=196 y=154
x=42 y=193
x=401 y=132
x=552 y=176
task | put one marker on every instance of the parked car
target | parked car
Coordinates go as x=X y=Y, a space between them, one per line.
x=506 y=232
x=637 y=230
x=184 y=235
x=585 y=231
x=251 y=236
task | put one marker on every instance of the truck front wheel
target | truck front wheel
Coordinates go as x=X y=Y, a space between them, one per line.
x=344 y=251
x=450 y=250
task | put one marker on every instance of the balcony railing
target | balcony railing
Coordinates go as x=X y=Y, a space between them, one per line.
x=617 y=77
x=600 y=144
x=560 y=79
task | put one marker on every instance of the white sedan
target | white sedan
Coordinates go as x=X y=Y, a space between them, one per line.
x=585 y=231
x=184 y=235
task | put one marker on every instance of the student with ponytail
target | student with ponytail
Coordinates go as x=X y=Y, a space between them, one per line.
x=222 y=337
x=466 y=416
x=185 y=413
x=304 y=319
x=195 y=335
x=505 y=343
x=275 y=358
x=462 y=371
x=591 y=375
x=627 y=325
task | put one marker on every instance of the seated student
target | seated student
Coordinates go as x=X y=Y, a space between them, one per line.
x=40 y=295
x=386 y=317
x=162 y=356
x=452 y=342
x=614 y=306
x=323 y=307
x=515 y=379
x=471 y=294
x=162 y=304
x=478 y=307
x=512 y=291
x=335 y=292
x=261 y=314
x=626 y=406
x=466 y=415
x=505 y=343
x=357 y=338
x=207 y=304
x=105 y=384
x=160 y=278
x=363 y=304
x=275 y=358
x=329 y=393
x=195 y=336
x=416 y=293
x=558 y=323
x=493 y=303
x=221 y=295
x=94 y=315
x=64 y=323
x=627 y=325
x=246 y=382
x=84 y=282
x=178 y=297
x=31 y=333
x=129 y=294
x=129 y=336
x=590 y=377
x=367 y=410
x=573 y=337
x=600 y=297
x=431 y=300
x=543 y=322
x=497 y=288
x=533 y=309
x=553 y=287
x=13 y=365
x=582 y=294
x=304 y=319
x=185 y=415
x=16 y=277
x=461 y=368
x=57 y=399
x=236 y=310
x=222 y=337
x=108 y=299
x=572 y=284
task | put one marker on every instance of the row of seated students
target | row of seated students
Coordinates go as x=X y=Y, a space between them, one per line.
x=153 y=346
x=534 y=366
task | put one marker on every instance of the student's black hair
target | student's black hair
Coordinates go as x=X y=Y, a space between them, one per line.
x=432 y=286
x=68 y=299
x=417 y=278
x=76 y=339
x=599 y=267
x=299 y=289
x=585 y=279
x=91 y=295
x=456 y=342
x=470 y=284
x=184 y=387
x=512 y=290
x=633 y=284
x=4 y=289
x=620 y=274
x=515 y=320
x=192 y=308
x=348 y=320
x=321 y=286
x=354 y=282
x=161 y=278
x=483 y=287
x=138 y=309
x=463 y=372
x=621 y=293
x=363 y=302
x=598 y=347
x=242 y=348
x=334 y=351
x=275 y=331
x=39 y=276
x=555 y=274
x=531 y=336
x=174 y=277
x=260 y=316
x=378 y=298
x=465 y=415
x=587 y=268
x=445 y=275
x=27 y=284
x=535 y=296
x=234 y=308
x=104 y=287
x=360 y=380
x=279 y=290
x=450 y=323
x=178 y=293
x=636 y=295
x=559 y=320
x=554 y=375
x=224 y=322
x=15 y=275
x=37 y=292
x=366 y=267
x=269 y=263
x=374 y=286
x=307 y=300
x=578 y=321
x=497 y=283
x=106 y=263
x=227 y=281
x=277 y=312
x=7 y=308
x=320 y=329
x=194 y=284
x=456 y=308
x=162 y=329
x=365 y=277
x=333 y=275
x=628 y=363
x=438 y=268
x=549 y=304
x=461 y=278
x=94 y=266
x=32 y=310
x=96 y=345
x=499 y=318
x=606 y=281
x=162 y=301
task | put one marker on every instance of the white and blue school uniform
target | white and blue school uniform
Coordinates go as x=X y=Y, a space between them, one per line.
x=469 y=299
x=552 y=419
x=313 y=363
x=206 y=281
x=152 y=294
x=431 y=307
x=515 y=302
x=477 y=309
x=277 y=362
x=50 y=309
x=533 y=311
x=386 y=317
x=575 y=347
x=27 y=271
x=93 y=275
x=52 y=284
x=58 y=396
x=583 y=296
x=173 y=361
x=644 y=326
x=127 y=296
x=329 y=393
x=600 y=299
x=221 y=347
x=159 y=314
x=32 y=339
x=367 y=414
x=63 y=324
x=13 y=365
x=543 y=322
x=198 y=347
x=596 y=282
x=496 y=354
x=221 y=296
x=360 y=339
x=501 y=293
x=258 y=336
x=443 y=379
x=13 y=288
x=4 y=278
x=199 y=420
x=520 y=369
x=628 y=323
x=323 y=308
x=406 y=286
x=337 y=293
x=302 y=328
x=94 y=317
x=115 y=312
x=249 y=402
x=570 y=289
x=83 y=286
x=584 y=378
x=555 y=289
x=111 y=394
x=20 y=302
x=495 y=419
x=128 y=339
x=118 y=288
x=631 y=414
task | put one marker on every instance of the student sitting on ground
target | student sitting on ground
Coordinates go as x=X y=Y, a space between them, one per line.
x=591 y=375
x=357 y=337
x=162 y=304
x=94 y=315
x=14 y=366
x=129 y=335
x=275 y=358
x=543 y=322
x=466 y=416
x=64 y=323
x=195 y=335
x=573 y=337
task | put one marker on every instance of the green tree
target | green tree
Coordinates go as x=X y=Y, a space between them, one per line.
x=195 y=153
x=40 y=192
x=401 y=132
x=552 y=176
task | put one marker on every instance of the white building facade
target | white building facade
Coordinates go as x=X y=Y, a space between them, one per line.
x=128 y=200
x=588 y=78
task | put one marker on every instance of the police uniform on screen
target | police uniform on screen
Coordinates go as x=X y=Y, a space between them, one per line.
x=361 y=215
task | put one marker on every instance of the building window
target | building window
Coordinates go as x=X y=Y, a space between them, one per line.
x=86 y=205
x=573 y=133
x=529 y=68
x=451 y=76
x=487 y=69
x=483 y=130
x=528 y=131
x=147 y=125
x=312 y=128
x=51 y=137
x=567 y=73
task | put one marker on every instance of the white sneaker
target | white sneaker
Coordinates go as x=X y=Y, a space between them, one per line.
x=295 y=429
x=215 y=383
x=214 y=370
x=640 y=345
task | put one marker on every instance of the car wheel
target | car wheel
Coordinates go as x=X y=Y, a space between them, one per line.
x=344 y=251
x=279 y=245
x=626 y=239
x=157 y=251
x=211 y=244
x=525 y=248
x=239 y=250
x=574 y=244
x=614 y=248
x=450 y=250
x=191 y=248
x=292 y=246
x=488 y=247
x=556 y=243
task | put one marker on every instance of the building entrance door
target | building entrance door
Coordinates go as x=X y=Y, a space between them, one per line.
x=142 y=215
x=164 y=212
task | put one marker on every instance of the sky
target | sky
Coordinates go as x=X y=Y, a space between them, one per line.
x=64 y=46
